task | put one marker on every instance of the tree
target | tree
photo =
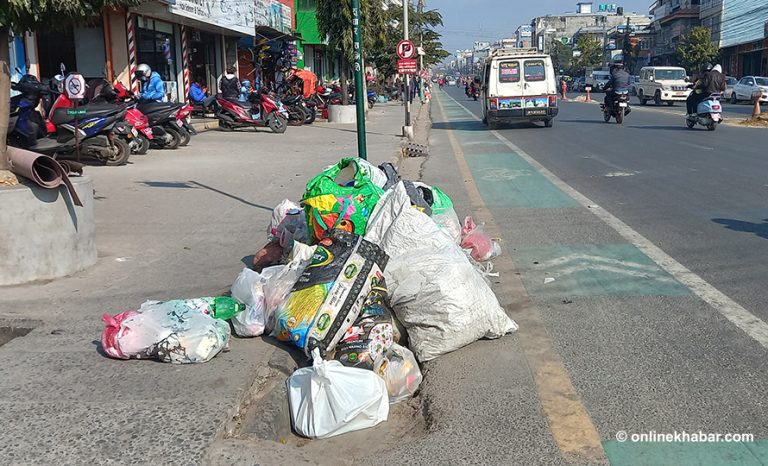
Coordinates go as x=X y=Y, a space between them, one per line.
x=421 y=27
x=562 y=56
x=28 y=15
x=696 y=48
x=591 y=50
x=334 y=21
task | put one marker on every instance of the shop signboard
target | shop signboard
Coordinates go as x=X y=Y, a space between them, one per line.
x=274 y=14
x=236 y=16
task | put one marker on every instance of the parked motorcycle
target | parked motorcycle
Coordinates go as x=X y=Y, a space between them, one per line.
x=98 y=128
x=708 y=113
x=261 y=110
x=298 y=109
x=618 y=108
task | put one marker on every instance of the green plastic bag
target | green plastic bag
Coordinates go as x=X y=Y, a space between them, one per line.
x=343 y=196
x=440 y=201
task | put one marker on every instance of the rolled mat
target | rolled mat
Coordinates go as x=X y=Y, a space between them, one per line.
x=43 y=170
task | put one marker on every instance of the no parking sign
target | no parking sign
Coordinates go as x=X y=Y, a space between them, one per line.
x=74 y=86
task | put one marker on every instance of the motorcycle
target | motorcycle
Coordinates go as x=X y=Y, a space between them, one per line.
x=618 y=108
x=708 y=113
x=371 y=98
x=298 y=108
x=260 y=111
x=98 y=129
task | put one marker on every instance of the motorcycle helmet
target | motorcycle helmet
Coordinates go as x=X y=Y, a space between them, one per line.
x=707 y=67
x=618 y=65
x=143 y=72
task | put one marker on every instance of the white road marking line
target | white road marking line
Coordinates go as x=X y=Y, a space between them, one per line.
x=620 y=174
x=727 y=307
x=697 y=146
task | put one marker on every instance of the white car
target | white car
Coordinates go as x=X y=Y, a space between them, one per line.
x=730 y=81
x=451 y=82
x=748 y=86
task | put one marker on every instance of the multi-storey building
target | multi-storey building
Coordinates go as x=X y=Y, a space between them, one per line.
x=671 y=19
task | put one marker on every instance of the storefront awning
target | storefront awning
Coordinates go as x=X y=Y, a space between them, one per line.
x=174 y=13
x=268 y=33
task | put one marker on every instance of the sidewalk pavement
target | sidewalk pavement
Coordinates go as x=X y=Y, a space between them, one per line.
x=170 y=224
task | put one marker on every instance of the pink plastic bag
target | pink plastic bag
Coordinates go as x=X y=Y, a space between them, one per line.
x=110 y=334
x=474 y=238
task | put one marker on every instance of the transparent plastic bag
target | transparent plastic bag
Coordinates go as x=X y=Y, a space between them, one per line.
x=400 y=371
x=482 y=247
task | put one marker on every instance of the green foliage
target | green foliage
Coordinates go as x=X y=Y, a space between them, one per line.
x=421 y=27
x=591 y=52
x=334 y=21
x=24 y=15
x=562 y=56
x=696 y=49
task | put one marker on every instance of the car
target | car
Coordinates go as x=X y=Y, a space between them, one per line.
x=663 y=84
x=451 y=81
x=633 y=84
x=748 y=86
x=730 y=81
x=578 y=84
x=597 y=79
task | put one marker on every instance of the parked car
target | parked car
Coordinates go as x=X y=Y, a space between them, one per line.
x=730 y=82
x=746 y=88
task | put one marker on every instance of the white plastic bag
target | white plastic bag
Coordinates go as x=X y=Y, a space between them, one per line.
x=249 y=290
x=284 y=277
x=400 y=371
x=288 y=223
x=436 y=292
x=329 y=399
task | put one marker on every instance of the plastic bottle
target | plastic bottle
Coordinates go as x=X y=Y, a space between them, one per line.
x=224 y=307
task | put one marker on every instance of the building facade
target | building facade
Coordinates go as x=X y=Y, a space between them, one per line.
x=672 y=19
x=312 y=48
x=744 y=37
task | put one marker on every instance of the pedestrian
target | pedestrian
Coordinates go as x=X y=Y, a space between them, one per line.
x=563 y=89
x=413 y=90
x=229 y=85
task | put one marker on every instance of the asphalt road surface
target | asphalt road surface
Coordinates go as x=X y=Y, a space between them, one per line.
x=643 y=246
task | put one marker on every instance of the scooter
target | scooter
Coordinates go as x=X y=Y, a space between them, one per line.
x=619 y=108
x=98 y=129
x=708 y=113
x=260 y=111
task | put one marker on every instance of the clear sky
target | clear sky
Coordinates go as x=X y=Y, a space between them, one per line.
x=486 y=20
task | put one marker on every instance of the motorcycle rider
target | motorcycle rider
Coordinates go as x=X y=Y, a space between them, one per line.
x=711 y=81
x=619 y=80
x=151 y=83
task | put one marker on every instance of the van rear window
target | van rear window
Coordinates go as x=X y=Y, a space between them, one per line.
x=509 y=72
x=535 y=70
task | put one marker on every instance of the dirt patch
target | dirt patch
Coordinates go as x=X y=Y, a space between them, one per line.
x=760 y=121
x=9 y=333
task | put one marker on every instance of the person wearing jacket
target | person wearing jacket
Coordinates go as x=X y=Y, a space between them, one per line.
x=619 y=80
x=710 y=82
x=152 y=87
x=229 y=85
x=198 y=97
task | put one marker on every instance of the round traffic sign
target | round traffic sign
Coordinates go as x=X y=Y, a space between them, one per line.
x=406 y=49
x=74 y=86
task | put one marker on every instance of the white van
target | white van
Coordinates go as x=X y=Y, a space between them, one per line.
x=518 y=85
x=662 y=84
x=597 y=79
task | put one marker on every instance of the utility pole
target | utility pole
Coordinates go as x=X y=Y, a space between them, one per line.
x=360 y=100
x=407 y=129
x=605 y=41
x=420 y=9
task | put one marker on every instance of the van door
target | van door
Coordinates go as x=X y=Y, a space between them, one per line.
x=484 y=89
x=507 y=87
x=535 y=86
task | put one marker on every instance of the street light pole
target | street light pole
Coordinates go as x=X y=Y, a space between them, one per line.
x=360 y=100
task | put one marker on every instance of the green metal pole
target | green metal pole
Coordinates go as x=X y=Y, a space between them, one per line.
x=360 y=98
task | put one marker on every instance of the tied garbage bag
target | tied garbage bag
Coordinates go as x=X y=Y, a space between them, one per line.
x=288 y=224
x=482 y=248
x=249 y=290
x=370 y=335
x=434 y=289
x=330 y=293
x=342 y=196
x=400 y=371
x=177 y=331
x=329 y=399
x=442 y=210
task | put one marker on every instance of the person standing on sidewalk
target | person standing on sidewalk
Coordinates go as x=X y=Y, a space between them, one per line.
x=563 y=89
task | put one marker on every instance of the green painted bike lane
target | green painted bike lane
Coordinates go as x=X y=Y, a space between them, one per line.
x=506 y=180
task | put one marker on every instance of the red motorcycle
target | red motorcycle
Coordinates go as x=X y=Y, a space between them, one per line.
x=260 y=111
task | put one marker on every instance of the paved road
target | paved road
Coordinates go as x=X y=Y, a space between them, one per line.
x=640 y=245
x=735 y=111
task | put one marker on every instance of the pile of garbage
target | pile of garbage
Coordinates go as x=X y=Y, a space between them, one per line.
x=369 y=275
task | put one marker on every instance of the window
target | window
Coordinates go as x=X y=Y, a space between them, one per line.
x=509 y=72
x=762 y=81
x=535 y=70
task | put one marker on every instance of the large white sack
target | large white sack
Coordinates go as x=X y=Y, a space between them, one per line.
x=329 y=399
x=435 y=291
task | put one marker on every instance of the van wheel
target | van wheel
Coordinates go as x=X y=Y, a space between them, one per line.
x=548 y=123
x=640 y=96
x=657 y=98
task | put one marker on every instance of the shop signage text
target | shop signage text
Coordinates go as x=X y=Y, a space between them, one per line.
x=235 y=15
x=407 y=66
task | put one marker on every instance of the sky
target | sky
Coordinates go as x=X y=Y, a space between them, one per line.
x=467 y=21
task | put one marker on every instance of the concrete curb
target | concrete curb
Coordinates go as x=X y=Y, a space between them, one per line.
x=203 y=126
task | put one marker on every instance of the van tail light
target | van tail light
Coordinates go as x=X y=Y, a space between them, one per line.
x=494 y=104
x=553 y=101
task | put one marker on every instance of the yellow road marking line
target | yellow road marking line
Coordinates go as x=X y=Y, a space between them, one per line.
x=568 y=419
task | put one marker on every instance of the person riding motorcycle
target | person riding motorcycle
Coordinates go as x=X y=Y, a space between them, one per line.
x=619 y=80
x=152 y=87
x=710 y=81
